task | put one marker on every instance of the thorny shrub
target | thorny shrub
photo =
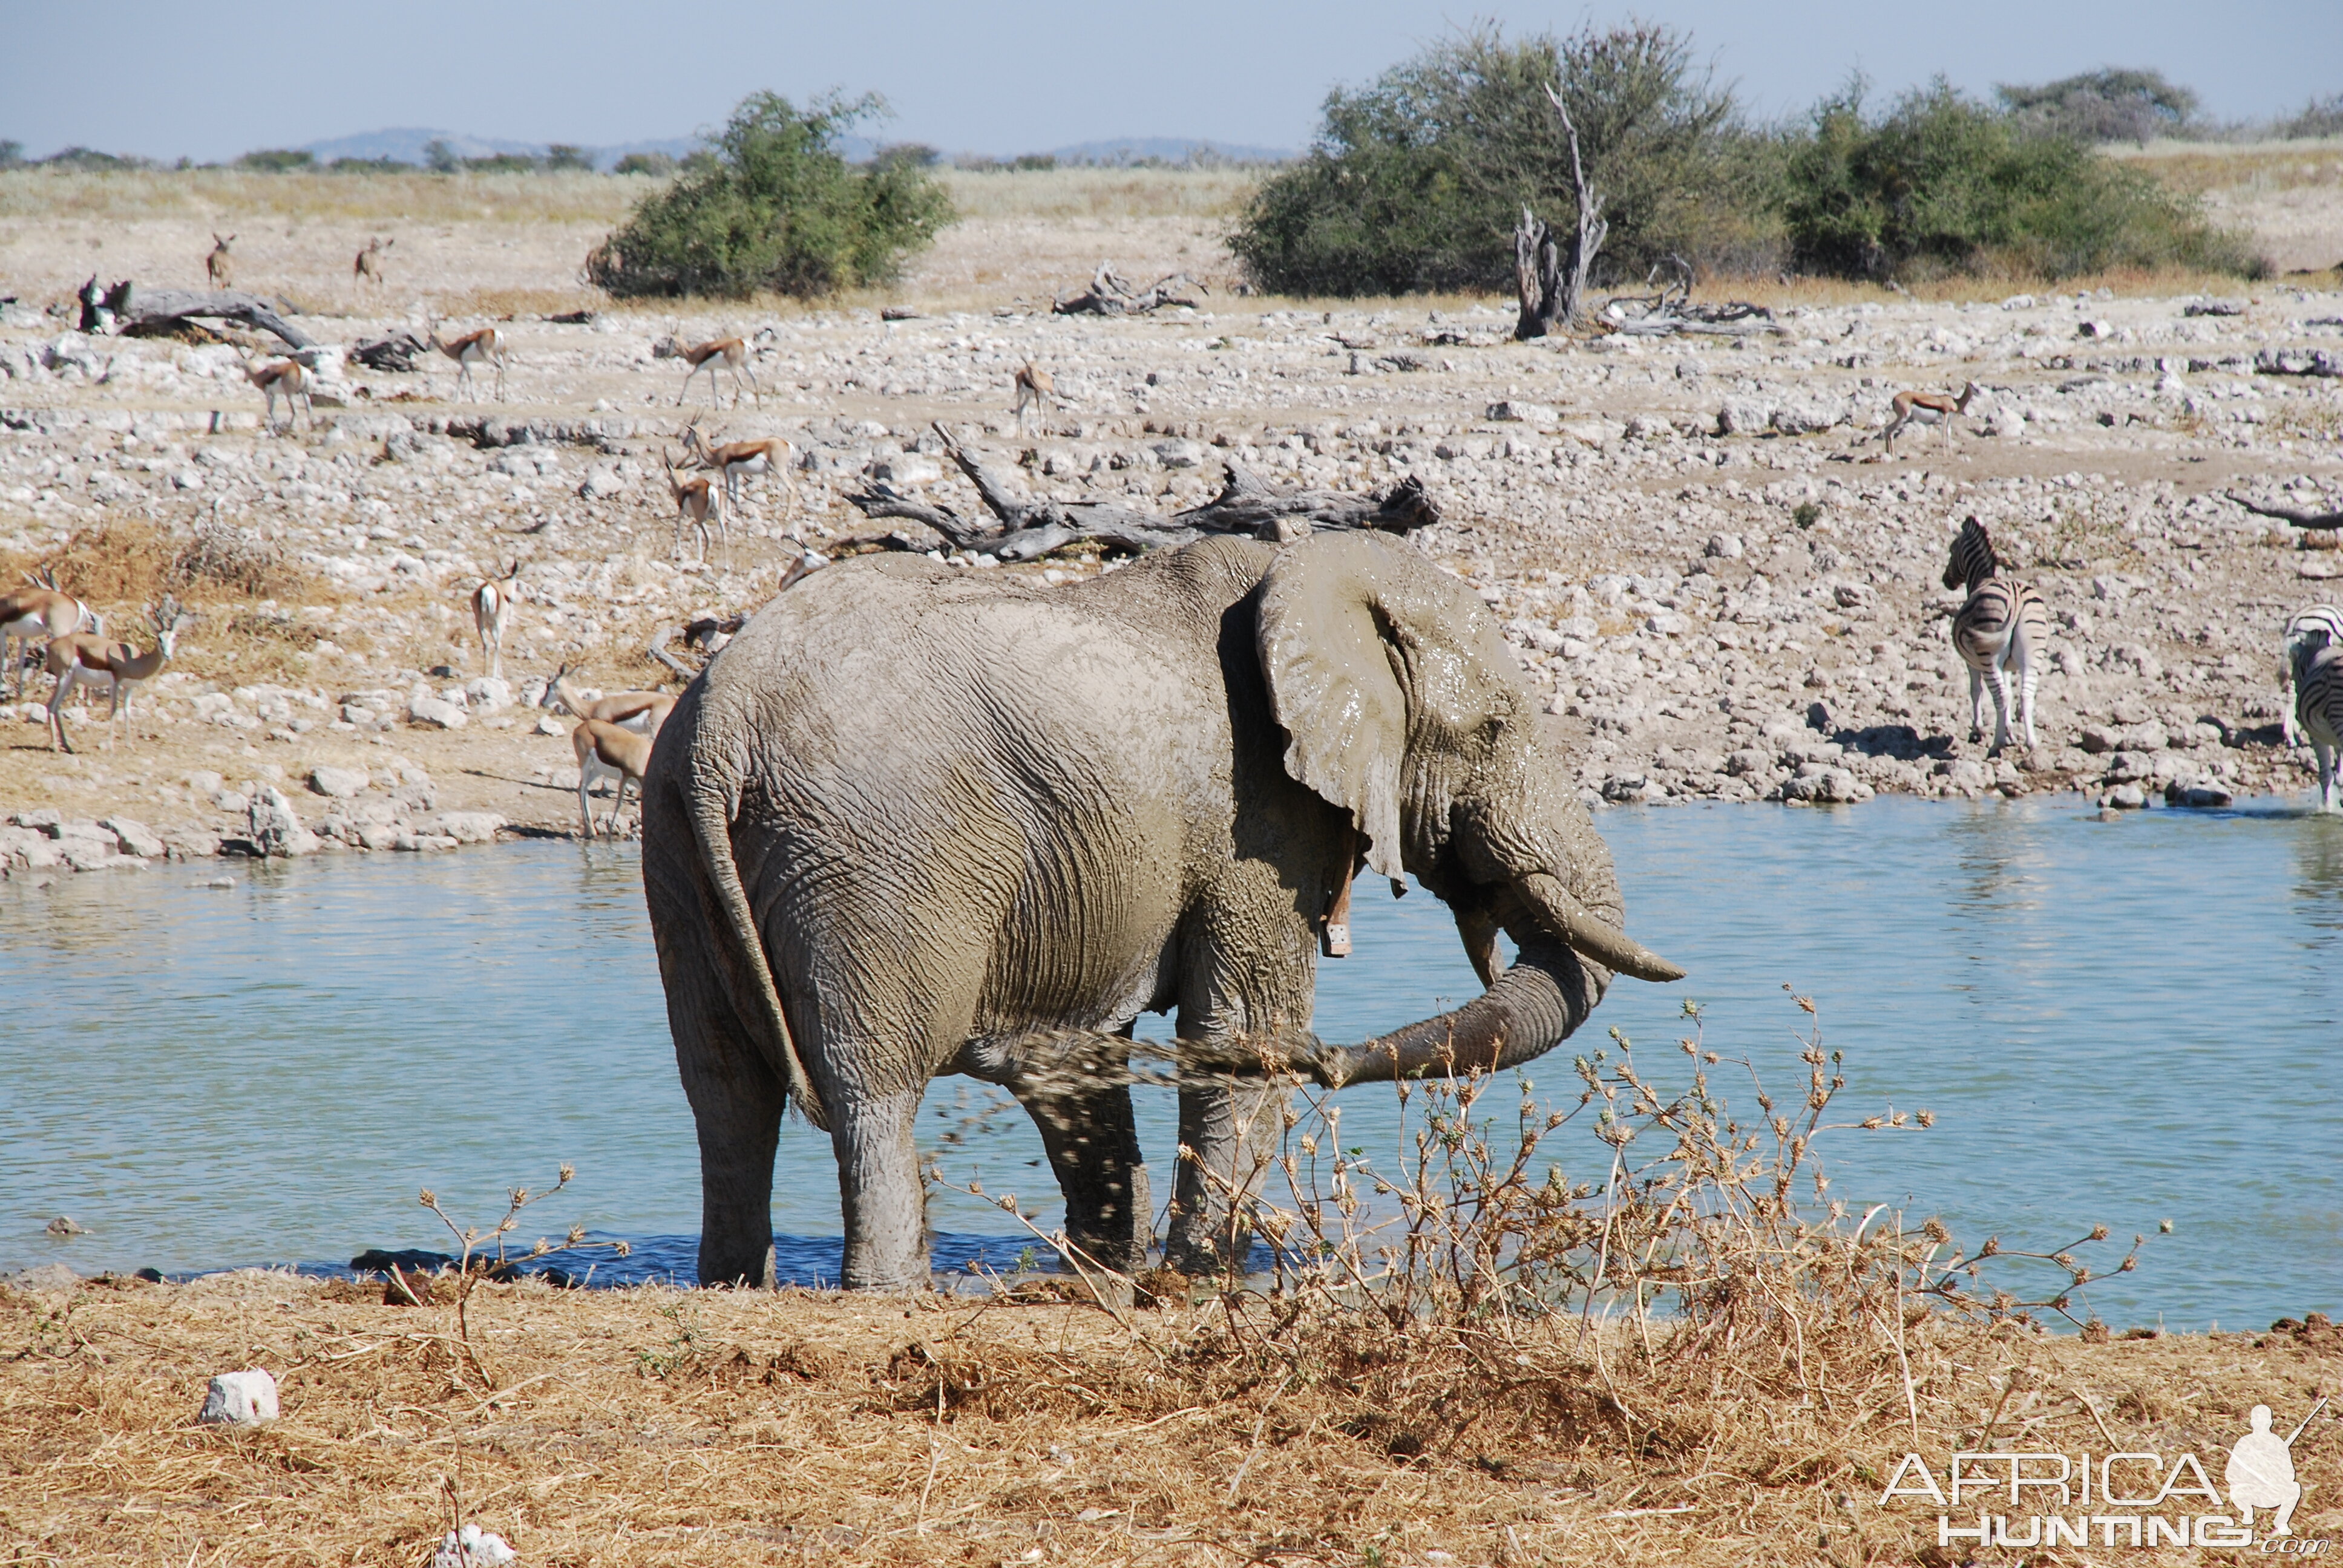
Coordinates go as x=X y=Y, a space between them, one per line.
x=1707 y=1287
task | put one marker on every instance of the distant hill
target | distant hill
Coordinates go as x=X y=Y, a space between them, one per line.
x=405 y=144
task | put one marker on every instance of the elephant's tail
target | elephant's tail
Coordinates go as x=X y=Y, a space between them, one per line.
x=712 y=827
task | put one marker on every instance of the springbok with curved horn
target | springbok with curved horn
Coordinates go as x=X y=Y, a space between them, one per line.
x=640 y=711
x=82 y=658
x=717 y=353
x=698 y=500
x=292 y=378
x=486 y=346
x=735 y=459
x=42 y=612
x=492 y=604
x=1927 y=408
x=604 y=751
x=216 y=264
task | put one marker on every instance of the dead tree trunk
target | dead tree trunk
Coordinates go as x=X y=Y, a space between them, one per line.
x=1594 y=228
x=1537 y=276
x=134 y=309
x=1022 y=528
x=2294 y=515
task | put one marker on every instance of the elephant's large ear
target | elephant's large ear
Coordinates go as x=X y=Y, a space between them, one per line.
x=1364 y=645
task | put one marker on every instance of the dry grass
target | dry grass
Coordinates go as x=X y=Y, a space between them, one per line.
x=1461 y=1354
x=229 y=196
x=2199 y=168
x=1076 y=193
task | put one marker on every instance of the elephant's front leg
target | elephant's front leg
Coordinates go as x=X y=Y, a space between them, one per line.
x=1092 y=1142
x=1229 y=1134
x=878 y=1181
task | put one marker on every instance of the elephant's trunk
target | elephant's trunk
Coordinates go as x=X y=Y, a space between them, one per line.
x=1528 y=1011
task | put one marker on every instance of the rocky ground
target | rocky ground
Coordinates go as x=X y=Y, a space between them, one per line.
x=1698 y=547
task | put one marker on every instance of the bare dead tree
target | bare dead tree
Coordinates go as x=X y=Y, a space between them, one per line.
x=1111 y=293
x=1594 y=228
x=2299 y=518
x=1537 y=276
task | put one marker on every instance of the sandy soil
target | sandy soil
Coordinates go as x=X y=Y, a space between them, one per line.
x=1741 y=616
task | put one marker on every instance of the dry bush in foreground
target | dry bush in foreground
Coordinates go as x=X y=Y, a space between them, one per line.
x=1462 y=1354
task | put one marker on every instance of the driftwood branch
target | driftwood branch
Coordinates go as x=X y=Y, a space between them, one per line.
x=1022 y=527
x=395 y=353
x=2300 y=519
x=130 y=308
x=1110 y=294
x=1594 y=228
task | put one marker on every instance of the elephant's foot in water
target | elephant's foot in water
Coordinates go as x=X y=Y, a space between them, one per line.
x=879 y=1178
x=1229 y=1132
x=1092 y=1142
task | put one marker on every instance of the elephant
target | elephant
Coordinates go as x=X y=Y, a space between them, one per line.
x=916 y=819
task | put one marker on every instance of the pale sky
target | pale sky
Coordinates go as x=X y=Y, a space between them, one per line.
x=213 y=80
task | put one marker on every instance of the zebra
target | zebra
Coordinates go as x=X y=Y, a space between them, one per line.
x=2001 y=624
x=2316 y=663
x=2323 y=618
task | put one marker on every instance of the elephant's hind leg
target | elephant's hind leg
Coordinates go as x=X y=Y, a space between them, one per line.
x=878 y=1181
x=736 y=1101
x=1092 y=1142
x=1229 y=1132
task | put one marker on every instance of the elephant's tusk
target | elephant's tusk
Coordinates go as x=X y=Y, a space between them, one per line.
x=1478 y=929
x=1591 y=936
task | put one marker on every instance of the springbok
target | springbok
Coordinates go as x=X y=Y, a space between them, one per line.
x=42 y=611
x=604 y=751
x=734 y=459
x=368 y=265
x=289 y=376
x=216 y=264
x=641 y=711
x=82 y=658
x=492 y=604
x=485 y=346
x=1927 y=408
x=699 y=501
x=726 y=353
x=1036 y=389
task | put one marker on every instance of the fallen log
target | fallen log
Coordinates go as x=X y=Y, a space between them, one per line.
x=2300 y=519
x=1110 y=294
x=132 y=310
x=395 y=353
x=1022 y=527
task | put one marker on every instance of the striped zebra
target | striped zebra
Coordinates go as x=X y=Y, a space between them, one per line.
x=2316 y=663
x=2001 y=624
x=2323 y=618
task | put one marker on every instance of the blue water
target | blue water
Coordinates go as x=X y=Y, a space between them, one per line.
x=2117 y=1022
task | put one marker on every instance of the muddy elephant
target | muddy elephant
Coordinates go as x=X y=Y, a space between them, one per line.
x=915 y=820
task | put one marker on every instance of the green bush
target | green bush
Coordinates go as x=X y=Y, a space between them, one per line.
x=1416 y=182
x=277 y=160
x=776 y=207
x=2318 y=117
x=563 y=156
x=1942 y=184
x=657 y=164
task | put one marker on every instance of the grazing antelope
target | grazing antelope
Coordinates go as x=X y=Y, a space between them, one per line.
x=604 y=749
x=492 y=604
x=1927 y=408
x=699 y=501
x=726 y=353
x=2316 y=663
x=641 y=711
x=368 y=265
x=2002 y=623
x=771 y=455
x=2318 y=617
x=1036 y=389
x=82 y=658
x=289 y=376
x=485 y=346
x=216 y=264
x=42 y=611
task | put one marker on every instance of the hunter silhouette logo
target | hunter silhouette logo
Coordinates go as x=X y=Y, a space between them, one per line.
x=2261 y=1470
x=2137 y=1499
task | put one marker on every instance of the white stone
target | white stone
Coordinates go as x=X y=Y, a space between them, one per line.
x=437 y=710
x=276 y=828
x=488 y=693
x=1526 y=412
x=239 y=1399
x=135 y=838
x=469 y=827
x=1180 y=454
x=337 y=783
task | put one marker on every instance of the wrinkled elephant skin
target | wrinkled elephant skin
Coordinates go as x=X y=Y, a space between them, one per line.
x=915 y=820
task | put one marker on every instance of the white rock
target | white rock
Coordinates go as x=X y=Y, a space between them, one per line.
x=1180 y=454
x=472 y=1547
x=1526 y=412
x=437 y=710
x=337 y=783
x=276 y=828
x=136 y=837
x=918 y=468
x=489 y=694
x=239 y=1399
x=1723 y=548
x=469 y=827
